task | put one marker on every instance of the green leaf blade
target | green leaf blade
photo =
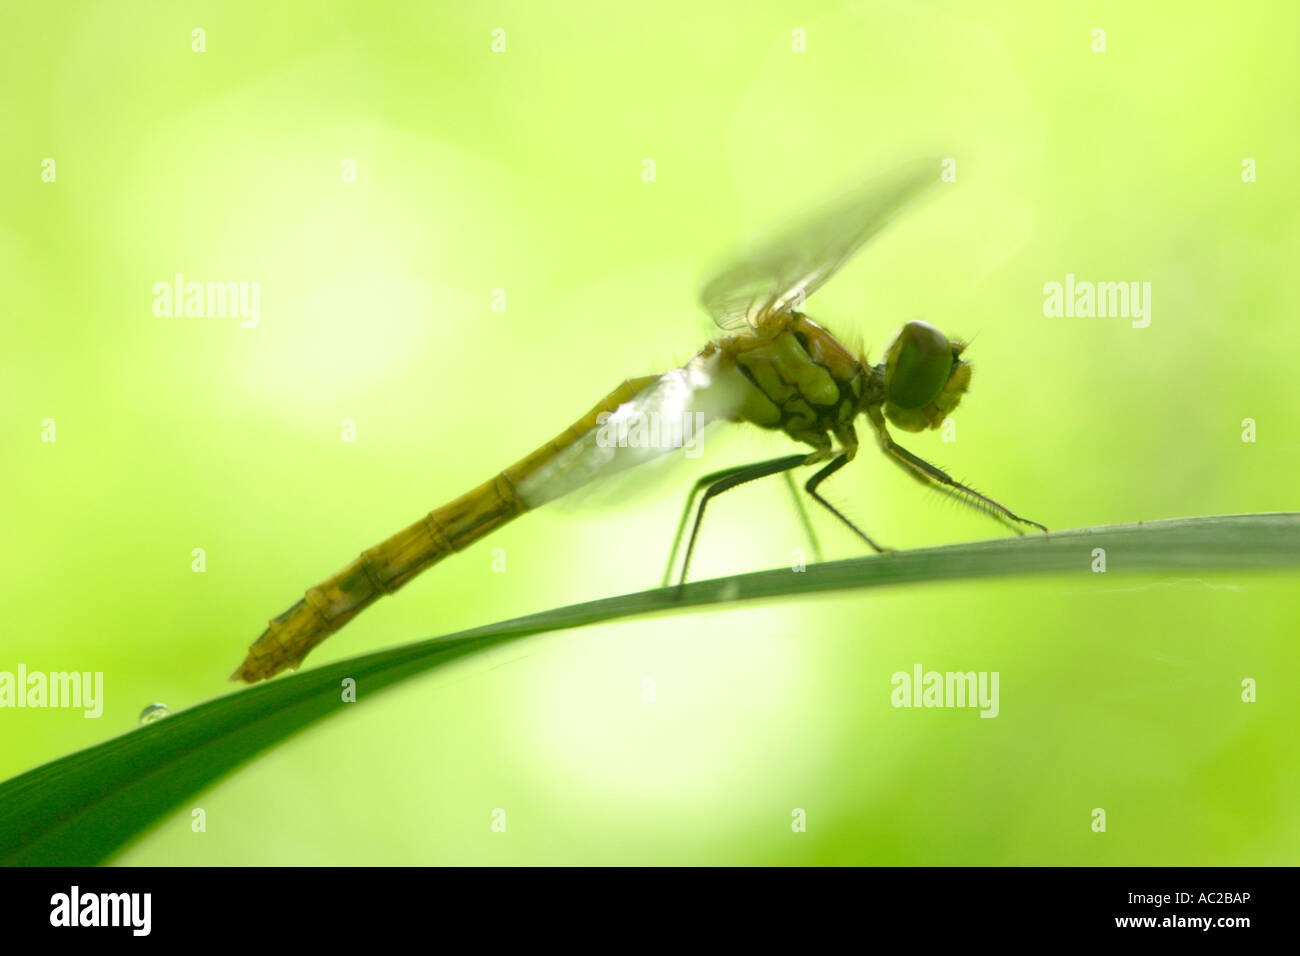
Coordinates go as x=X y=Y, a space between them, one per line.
x=82 y=808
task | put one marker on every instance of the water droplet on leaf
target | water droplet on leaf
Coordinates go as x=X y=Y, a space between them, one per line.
x=153 y=712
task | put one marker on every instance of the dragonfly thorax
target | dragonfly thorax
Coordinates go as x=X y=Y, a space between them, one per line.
x=800 y=379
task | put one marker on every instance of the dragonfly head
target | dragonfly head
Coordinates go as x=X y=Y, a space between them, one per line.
x=925 y=377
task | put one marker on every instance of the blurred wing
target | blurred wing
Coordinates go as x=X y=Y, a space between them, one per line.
x=666 y=417
x=774 y=278
x=668 y=475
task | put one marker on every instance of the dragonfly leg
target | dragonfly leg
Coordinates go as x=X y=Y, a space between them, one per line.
x=717 y=483
x=811 y=487
x=803 y=517
x=940 y=480
x=708 y=479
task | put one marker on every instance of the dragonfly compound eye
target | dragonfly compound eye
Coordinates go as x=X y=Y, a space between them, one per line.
x=918 y=365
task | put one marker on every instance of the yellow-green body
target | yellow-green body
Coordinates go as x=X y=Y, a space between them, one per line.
x=790 y=375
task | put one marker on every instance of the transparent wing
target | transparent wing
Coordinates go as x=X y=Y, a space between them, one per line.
x=666 y=417
x=774 y=278
x=668 y=475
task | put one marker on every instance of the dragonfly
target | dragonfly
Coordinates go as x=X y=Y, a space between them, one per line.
x=772 y=367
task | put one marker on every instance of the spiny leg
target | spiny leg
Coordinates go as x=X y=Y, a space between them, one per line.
x=803 y=517
x=940 y=480
x=686 y=513
x=731 y=479
x=811 y=487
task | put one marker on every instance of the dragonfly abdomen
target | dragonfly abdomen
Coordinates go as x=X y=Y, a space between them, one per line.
x=386 y=567
x=378 y=571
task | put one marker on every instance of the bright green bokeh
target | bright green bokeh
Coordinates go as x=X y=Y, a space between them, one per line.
x=522 y=171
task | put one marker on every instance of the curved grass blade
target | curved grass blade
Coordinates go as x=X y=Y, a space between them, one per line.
x=82 y=808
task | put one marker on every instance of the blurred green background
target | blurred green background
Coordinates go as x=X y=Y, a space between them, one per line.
x=522 y=170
